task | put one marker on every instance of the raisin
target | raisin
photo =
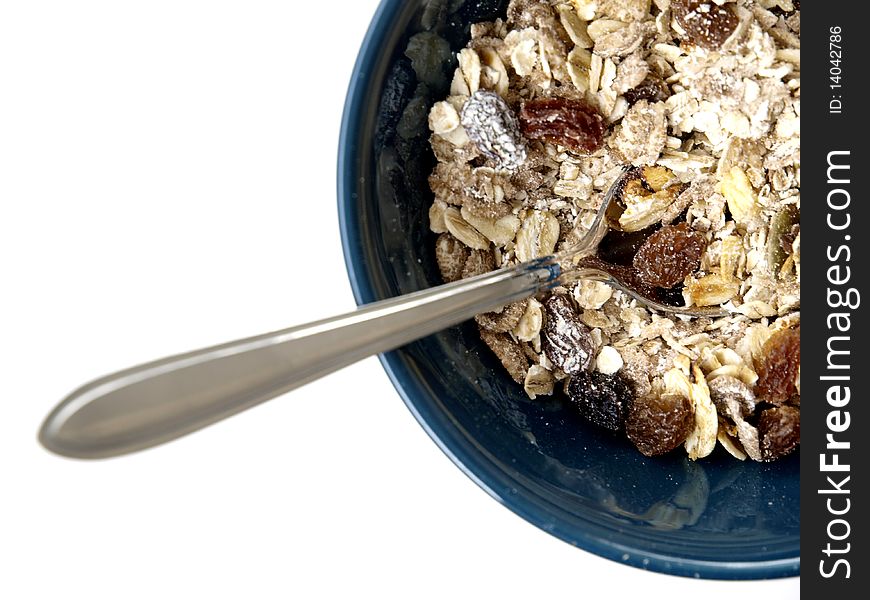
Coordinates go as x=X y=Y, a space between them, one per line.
x=669 y=255
x=493 y=127
x=706 y=23
x=566 y=342
x=652 y=89
x=779 y=366
x=602 y=399
x=658 y=424
x=570 y=123
x=780 y=431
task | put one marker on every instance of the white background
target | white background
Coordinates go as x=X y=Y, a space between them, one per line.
x=167 y=179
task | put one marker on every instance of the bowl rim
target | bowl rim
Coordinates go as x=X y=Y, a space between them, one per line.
x=483 y=470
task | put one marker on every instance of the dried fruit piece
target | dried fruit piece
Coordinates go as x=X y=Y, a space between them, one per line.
x=450 y=254
x=779 y=366
x=657 y=424
x=492 y=126
x=706 y=23
x=779 y=431
x=505 y=320
x=570 y=123
x=602 y=399
x=567 y=342
x=509 y=352
x=653 y=89
x=669 y=255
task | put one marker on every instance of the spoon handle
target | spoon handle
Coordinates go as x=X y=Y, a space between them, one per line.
x=159 y=401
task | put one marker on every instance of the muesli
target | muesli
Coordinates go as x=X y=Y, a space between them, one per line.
x=702 y=99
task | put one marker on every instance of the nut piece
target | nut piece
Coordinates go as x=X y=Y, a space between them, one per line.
x=493 y=128
x=530 y=323
x=641 y=211
x=608 y=361
x=444 y=122
x=592 y=294
x=539 y=382
x=570 y=123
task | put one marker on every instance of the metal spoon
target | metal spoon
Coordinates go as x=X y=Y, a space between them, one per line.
x=162 y=400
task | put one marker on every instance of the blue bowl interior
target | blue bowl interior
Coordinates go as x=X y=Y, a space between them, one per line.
x=717 y=518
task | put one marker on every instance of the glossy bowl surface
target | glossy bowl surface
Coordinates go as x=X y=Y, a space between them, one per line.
x=716 y=518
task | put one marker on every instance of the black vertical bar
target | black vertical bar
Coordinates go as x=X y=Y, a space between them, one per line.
x=834 y=255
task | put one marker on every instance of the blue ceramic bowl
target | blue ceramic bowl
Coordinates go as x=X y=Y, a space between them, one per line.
x=717 y=518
